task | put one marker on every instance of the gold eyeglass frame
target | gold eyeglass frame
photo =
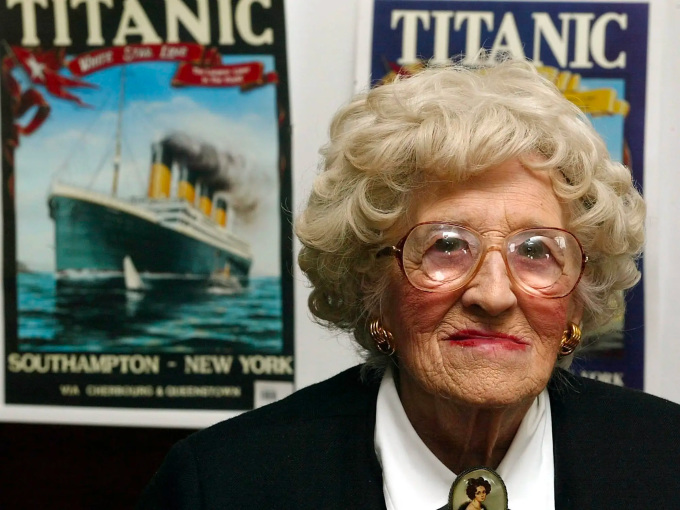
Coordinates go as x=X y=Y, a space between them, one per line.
x=397 y=251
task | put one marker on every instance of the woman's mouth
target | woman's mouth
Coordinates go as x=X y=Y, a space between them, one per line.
x=487 y=339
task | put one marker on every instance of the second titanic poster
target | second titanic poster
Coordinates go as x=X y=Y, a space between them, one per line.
x=146 y=150
x=596 y=54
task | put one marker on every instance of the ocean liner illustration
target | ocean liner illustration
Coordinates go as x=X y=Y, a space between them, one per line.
x=180 y=229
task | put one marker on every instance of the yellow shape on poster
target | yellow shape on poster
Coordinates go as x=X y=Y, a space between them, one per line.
x=595 y=102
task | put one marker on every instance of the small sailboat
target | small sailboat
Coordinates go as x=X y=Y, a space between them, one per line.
x=133 y=281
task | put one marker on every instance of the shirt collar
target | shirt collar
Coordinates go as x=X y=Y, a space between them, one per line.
x=413 y=477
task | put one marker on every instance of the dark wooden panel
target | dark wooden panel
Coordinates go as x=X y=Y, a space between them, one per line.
x=60 y=466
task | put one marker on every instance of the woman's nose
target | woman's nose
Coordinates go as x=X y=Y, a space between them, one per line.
x=491 y=288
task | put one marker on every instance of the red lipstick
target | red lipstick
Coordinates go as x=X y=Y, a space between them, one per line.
x=493 y=339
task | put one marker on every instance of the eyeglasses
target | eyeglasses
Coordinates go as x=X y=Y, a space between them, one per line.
x=443 y=257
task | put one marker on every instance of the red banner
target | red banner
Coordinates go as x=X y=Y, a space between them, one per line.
x=199 y=66
x=247 y=75
x=97 y=60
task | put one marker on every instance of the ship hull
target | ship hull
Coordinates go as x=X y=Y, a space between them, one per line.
x=95 y=237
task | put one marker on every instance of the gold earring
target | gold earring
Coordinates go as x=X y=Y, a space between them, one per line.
x=570 y=340
x=382 y=338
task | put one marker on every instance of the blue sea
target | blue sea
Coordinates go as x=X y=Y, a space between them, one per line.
x=99 y=315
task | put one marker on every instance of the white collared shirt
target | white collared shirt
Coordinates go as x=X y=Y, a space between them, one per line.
x=413 y=478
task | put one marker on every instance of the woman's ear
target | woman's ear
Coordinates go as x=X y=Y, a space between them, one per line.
x=575 y=311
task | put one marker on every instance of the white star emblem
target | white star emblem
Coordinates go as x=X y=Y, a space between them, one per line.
x=37 y=68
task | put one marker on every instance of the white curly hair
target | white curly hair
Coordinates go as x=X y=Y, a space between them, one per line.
x=452 y=123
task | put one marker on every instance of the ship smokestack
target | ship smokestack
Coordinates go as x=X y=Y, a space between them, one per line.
x=221 y=210
x=205 y=199
x=186 y=187
x=202 y=160
x=161 y=177
x=206 y=174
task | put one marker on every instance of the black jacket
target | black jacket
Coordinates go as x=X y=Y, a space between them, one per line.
x=614 y=449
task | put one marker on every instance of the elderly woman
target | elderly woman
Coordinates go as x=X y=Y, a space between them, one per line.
x=467 y=225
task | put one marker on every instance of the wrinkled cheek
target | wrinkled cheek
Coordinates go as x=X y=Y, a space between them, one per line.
x=547 y=317
x=413 y=315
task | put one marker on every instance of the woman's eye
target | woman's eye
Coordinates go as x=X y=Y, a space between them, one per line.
x=534 y=249
x=450 y=244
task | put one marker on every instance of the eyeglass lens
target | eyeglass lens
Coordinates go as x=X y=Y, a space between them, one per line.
x=442 y=257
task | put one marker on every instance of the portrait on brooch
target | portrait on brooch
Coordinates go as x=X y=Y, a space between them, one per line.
x=478 y=489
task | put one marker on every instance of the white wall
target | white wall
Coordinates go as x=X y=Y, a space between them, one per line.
x=662 y=182
x=321 y=45
x=321 y=48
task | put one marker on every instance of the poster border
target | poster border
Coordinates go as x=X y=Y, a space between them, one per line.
x=167 y=416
